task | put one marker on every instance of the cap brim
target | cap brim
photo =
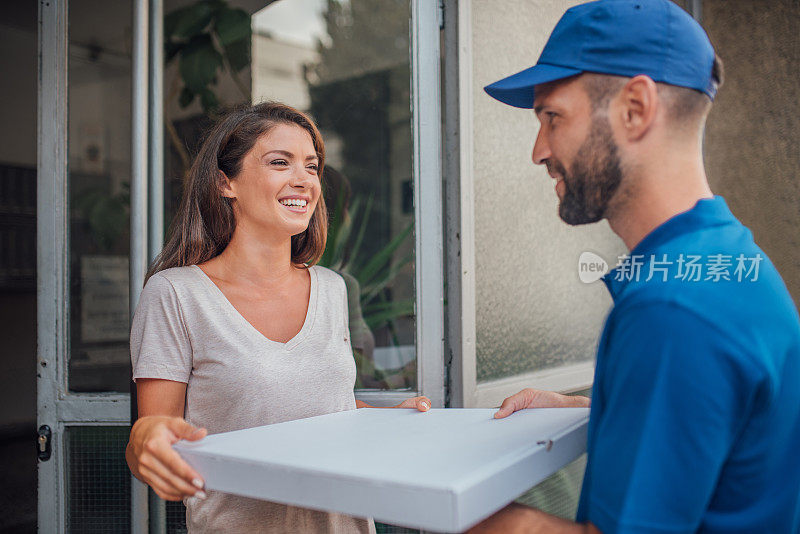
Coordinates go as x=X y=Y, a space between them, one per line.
x=517 y=89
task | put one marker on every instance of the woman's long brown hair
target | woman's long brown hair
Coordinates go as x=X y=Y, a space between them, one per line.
x=205 y=221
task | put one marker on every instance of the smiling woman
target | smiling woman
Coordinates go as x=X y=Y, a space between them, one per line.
x=205 y=222
x=236 y=326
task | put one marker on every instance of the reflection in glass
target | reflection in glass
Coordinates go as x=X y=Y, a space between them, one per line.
x=99 y=180
x=347 y=64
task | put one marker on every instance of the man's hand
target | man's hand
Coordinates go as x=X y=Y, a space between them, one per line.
x=537 y=398
x=519 y=519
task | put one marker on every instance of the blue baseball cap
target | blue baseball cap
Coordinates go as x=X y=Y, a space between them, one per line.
x=622 y=37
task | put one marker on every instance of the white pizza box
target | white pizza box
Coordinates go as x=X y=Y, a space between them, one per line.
x=441 y=470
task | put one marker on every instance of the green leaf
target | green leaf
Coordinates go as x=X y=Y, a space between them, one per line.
x=386 y=305
x=186 y=97
x=199 y=63
x=107 y=219
x=363 y=227
x=232 y=25
x=208 y=100
x=379 y=260
x=171 y=49
x=368 y=292
x=238 y=54
x=187 y=22
x=400 y=309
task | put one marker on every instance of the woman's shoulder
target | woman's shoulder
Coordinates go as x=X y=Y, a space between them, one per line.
x=324 y=273
x=172 y=279
x=328 y=278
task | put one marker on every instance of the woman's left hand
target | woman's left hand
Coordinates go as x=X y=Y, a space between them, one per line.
x=423 y=404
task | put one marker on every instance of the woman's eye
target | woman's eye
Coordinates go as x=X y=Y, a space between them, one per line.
x=278 y=162
x=314 y=167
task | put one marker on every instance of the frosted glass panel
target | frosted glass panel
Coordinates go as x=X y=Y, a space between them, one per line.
x=533 y=312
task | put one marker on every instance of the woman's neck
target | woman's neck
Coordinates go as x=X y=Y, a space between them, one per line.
x=256 y=259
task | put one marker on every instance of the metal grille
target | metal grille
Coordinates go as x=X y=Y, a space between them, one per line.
x=176 y=522
x=381 y=528
x=98 y=481
x=176 y=517
x=559 y=493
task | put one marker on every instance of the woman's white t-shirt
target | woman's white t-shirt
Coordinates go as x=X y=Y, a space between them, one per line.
x=186 y=330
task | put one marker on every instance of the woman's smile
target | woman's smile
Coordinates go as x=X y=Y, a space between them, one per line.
x=295 y=204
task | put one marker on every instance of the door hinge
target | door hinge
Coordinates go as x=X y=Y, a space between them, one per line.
x=43 y=443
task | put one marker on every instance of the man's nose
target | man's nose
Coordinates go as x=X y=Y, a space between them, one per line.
x=541 y=149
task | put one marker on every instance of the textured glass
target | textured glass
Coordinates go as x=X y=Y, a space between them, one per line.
x=347 y=64
x=99 y=185
x=98 y=480
x=559 y=493
x=532 y=312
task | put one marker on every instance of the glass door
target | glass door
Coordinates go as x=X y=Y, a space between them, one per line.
x=368 y=72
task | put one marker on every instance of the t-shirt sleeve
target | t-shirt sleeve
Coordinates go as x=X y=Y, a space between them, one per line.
x=160 y=346
x=675 y=392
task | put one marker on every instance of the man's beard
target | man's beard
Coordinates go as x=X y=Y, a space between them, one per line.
x=595 y=177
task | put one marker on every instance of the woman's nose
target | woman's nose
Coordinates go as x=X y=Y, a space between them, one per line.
x=301 y=177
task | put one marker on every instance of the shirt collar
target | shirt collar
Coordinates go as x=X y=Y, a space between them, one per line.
x=706 y=213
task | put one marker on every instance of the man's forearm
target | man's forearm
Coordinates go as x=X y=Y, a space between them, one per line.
x=542 y=523
x=576 y=401
x=520 y=519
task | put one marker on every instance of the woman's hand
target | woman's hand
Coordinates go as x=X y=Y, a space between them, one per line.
x=423 y=404
x=151 y=457
x=537 y=398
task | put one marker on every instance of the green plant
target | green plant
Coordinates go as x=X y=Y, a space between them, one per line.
x=374 y=274
x=106 y=214
x=207 y=38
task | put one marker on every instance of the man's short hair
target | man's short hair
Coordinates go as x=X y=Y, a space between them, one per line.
x=684 y=105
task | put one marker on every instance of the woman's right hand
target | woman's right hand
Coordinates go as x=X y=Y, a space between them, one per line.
x=153 y=460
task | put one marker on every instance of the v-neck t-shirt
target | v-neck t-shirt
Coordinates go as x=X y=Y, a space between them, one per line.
x=186 y=330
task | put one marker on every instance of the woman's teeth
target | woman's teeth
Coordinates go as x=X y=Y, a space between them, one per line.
x=294 y=202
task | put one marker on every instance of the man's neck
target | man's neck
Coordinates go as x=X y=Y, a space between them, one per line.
x=654 y=195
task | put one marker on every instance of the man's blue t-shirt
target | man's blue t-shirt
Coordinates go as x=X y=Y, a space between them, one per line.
x=695 y=418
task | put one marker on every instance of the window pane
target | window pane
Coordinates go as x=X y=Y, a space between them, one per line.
x=99 y=181
x=347 y=64
x=533 y=312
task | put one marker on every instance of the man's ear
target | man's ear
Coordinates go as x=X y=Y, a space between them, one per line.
x=638 y=103
x=224 y=185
